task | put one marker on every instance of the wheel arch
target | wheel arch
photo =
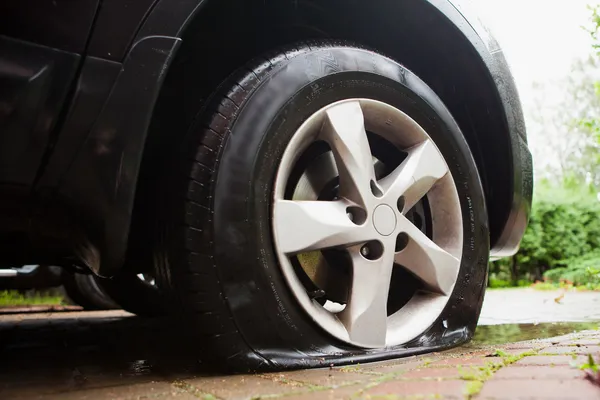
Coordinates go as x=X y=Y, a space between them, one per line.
x=456 y=57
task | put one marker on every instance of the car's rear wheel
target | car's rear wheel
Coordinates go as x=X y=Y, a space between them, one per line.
x=137 y=293
x=332 y=213
x=83 y=290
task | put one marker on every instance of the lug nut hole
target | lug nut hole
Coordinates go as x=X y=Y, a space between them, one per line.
x=401 y=203
x=372 y=250
x=401 y=241
x=356 y=215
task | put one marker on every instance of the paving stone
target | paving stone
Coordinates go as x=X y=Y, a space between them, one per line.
x=529 y=345
x=34 y=381
x=572 y=350
x=537 y=372
x=514 y=352
x=238 y=387
x=456 y=361
x=582 y=342
x=395 y=361
x=576 y=389
x=551 y=360
x=591 y=337
x=343 y=393
x=432 y=373
x=391 y=367
x=588 y=333
x=559 y=339
x=326 y=377
x=153 y=390
x=444 y=388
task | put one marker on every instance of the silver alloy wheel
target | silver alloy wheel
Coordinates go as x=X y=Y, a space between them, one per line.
x=368 y=218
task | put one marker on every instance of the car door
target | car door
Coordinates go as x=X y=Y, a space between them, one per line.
x=41 y=47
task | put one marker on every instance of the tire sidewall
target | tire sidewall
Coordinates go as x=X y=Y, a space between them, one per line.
x=263 y=307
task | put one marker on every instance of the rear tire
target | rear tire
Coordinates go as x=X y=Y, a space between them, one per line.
x=83 y=290
x=134 y=295
x=216 y=238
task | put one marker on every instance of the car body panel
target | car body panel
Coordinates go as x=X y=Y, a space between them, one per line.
x=35 y=81
x=99 y=184
x=93 y=87
x=507 y=240
x=116 y=27
x=59 y=24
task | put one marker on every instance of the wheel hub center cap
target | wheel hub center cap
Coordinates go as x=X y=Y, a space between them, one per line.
x=384 y=219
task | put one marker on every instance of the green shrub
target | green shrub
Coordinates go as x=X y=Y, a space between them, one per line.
x=562 y=240
x=499 y=283
x=582 y=271
x=495 y=283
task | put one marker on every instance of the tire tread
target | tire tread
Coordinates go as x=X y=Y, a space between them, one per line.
x=199 y=279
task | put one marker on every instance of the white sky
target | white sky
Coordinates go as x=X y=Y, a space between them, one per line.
x=540 y=38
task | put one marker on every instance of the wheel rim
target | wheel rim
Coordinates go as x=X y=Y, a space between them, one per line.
x=147 y=279
x=365 y=222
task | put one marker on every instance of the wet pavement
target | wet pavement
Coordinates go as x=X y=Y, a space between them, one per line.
x=113 y=355
x=523 y=306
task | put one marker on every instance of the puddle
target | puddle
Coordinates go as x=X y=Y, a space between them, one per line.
x=507 y=333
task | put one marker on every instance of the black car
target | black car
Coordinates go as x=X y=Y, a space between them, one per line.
x=308 y=181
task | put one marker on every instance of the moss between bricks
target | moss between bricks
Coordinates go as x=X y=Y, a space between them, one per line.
x=472 y=388
x=478 y=375
x=351 y=368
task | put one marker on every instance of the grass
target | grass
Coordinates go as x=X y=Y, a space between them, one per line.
x=12 y=298
x=504 y=284
x=472 y=388
x=591 y=369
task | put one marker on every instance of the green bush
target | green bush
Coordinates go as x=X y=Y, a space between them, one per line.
x=496 y=283
x=582 y=271
x=562 y=241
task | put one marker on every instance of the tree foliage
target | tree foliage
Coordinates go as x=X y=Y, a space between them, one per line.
x=589 y=123
x=565 y=113
x=594 y=28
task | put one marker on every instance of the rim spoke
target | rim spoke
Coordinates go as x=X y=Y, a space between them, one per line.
x=344 y=130
x=365 y=315
x=433 y=265
x=302 y=226
x=423 y=167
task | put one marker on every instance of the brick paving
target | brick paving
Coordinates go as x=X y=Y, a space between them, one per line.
x=540 y=369
x=103 y=355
